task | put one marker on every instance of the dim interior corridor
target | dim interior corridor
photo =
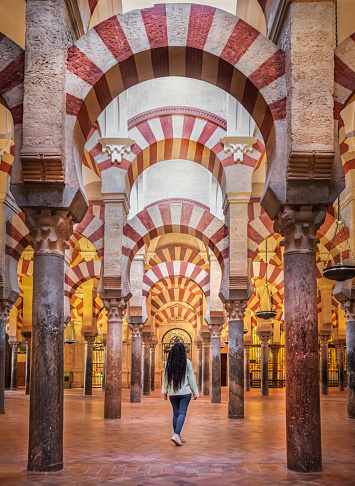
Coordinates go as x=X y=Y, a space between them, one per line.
x=136 y=450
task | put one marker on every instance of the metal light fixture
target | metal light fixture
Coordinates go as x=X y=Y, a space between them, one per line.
x=268 y=313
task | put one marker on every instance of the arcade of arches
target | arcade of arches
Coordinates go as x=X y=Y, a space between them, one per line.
x=173 y=173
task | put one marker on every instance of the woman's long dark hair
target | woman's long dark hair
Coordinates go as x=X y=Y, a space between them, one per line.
x=175 y=367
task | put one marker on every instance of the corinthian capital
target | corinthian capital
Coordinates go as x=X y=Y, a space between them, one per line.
x=215 y=330
x=115 y=308
x=50 y=230
x=348 y=306
x=299 y=227
x=236 y=309
x=136 y=328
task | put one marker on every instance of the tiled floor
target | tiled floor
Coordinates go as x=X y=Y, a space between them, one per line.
x=136 y=450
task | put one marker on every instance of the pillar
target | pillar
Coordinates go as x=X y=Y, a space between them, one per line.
x=236 y=310
x=206 y=341
x=136 y=360
x=50 y=231
x=349 y=307
x=14 y=346
x=247 y=367
x=324 y=373
x=27 y=336
x=153 y=345
x=216 y=329
x=275 y=348
x=147 y=339
x=303 y=428
x=113 y=369
x=104 y=365
x=264 y=341
x=4 y=312
x=89 y=356
x=199 y=365
x=340 y=357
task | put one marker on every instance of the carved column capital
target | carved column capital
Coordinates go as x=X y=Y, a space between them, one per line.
x=5 y=307
x=28 y=336
x=215 y=330
x=274 y=348
x=153 y=345
x=348 y=306
x=89 y=340
x=198 y=345
x=136 y=328
x=147 y=338
x=324 y=339
x=299 y=226
x=115 y=308
x=340 y=348
x=236 y=309
x=50 y=230
x=206 y=338
x=247 y=348
x=14 y=345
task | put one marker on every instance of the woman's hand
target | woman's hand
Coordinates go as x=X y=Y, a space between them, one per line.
x=165 y=396
x=195 y=398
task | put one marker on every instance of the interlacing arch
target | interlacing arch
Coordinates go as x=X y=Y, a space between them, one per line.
x=177 y=295
x=176 y=311
x=182 y=284
x=187 y=40
x=81 y=273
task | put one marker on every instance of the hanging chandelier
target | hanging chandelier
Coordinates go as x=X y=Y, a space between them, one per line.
x=341 y=271
x=268 y=313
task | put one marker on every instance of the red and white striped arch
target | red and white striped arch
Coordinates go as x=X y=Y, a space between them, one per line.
x=176 y=310
x=344 y=74
x=176 y=40
x=168 y=253
x=81 y=273
x=182 y=284
x=176 y=295
x=92 y=226
x=176 y=269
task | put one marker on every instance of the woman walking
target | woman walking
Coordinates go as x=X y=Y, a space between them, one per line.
x=179 y=382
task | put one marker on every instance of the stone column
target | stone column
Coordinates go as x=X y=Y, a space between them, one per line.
x=199 y=365
x=4 y=312
x=14 y=346
x=136 y=360
x=147 y=339
x=349 y=307
x=104 y=366
x=113 y=370
x=275 y=348
x=247 y=367
x=264 y=341
x=216 y=329
x=236 y=310
x=206 y=342
x=50 y=231
x=153 y=345
x=303 y=428
x=340 y=356
x=89 y=355
x=27 y=336
x=324 y=373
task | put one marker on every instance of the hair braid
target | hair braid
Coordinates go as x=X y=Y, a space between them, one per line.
x=175 y=367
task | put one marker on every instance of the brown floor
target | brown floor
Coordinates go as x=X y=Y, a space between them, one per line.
x=136 y=450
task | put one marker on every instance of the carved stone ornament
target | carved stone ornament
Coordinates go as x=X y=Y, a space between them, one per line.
x=236 y=309
x=238 y=146
x=115 y=308
x=299 y=227
x=136 y=329
x=198 y=345
x=215 y=330
x=50 y=230
x=116 y=148
x=349 y=308
x=5 y=307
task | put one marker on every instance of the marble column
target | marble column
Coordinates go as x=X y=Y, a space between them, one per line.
x=104 y=365
x=206 y=342
x=14 y=347
x=247 y=367
x=340 y=358
x=215 y=390
x=89 y=357
x=264 y=341
x=4 y=312
x=349 y=307
x=27 y=336
x=146 y=339
x=153 y=345
x=136 y=360
x=199 y=365
x=236 y=310
x=113 y=370
x=50 y=231
x=324 y=373
x=275 y=348
x=303 y=428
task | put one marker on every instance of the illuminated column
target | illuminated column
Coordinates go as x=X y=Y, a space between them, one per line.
x=349 y=307
x=4 y=312
x=324 y=373
x=199 y=365
x=27 y=336
x=14 y=347
x=136 y=362
x=104 y=365
x=340 y=356
x=206 y=342
x=216 y=329
x=275 y=348
x=147 y=339
x=247 y=367
x=264 y=336
x=153 y=345
x=89 y=357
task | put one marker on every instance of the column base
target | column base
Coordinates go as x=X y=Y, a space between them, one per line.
x=44 y=469
x=235 y=417
x=27 y=392
x=87 y=393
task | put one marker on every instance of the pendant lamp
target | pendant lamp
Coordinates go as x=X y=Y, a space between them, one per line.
x=268 y=313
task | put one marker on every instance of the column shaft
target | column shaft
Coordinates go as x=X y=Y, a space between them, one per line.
x=104 y=369
x=205 y=369
x=340 y=353
x=4 y=309
x=216 y=369
x=350 y=366
x=152 y=367
x=199 y=367
x=275 y=362
x=28 y=366
x=89 y=355
x=264 y=368
x=236 y=369
x=13 y=383
x=246 y=368
x=136 y=369
x=324 y=375
x=146 y=368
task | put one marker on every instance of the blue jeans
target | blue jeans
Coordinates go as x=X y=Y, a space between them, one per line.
x=179 y=404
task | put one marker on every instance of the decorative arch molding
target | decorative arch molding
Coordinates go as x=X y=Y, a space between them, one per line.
x=177 y=252
x=176 y=311
x=81 y=273
x=169 y=296
x=176 y=283
x=344 y=74
x=92 y=226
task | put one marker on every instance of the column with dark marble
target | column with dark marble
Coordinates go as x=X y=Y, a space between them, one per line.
x=4 y=312
x=236 y=310
x=199 y=365
x=324 y=363
x=136 y=362
x=153 y=345
x=247 y=367
x=89 y=357
x=216 y=329
x=14 y=347
x=146 y=339
x=264 y=337
x=50 y=231
x=340 y=358
x=303 y=429
x=27 y=336
x=275 y=348
x=206 y=342
x=113 y=370
x=104 y=365
x=349 y=307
